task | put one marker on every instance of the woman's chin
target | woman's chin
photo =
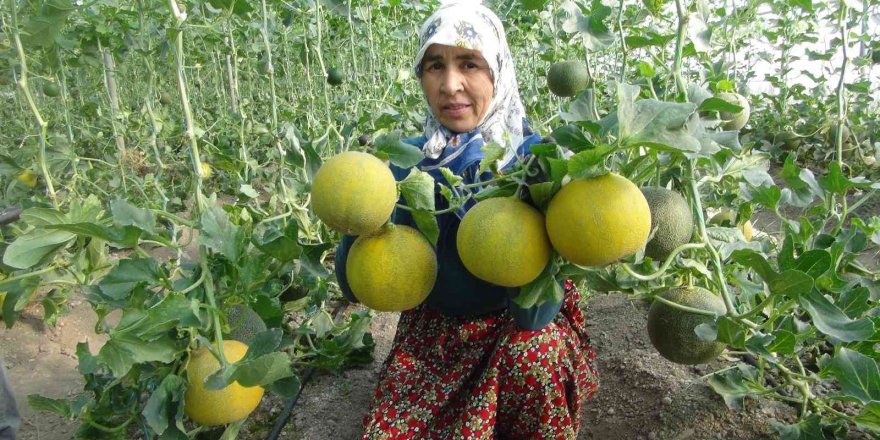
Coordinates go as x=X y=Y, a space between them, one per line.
x=458 y=125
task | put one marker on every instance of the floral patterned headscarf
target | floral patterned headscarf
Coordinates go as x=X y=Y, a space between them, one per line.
x=470 y=25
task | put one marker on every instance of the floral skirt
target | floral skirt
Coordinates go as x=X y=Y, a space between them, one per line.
x=459 y=378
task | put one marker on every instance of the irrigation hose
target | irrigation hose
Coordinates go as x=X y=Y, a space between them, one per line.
x=288 y=406
x=9 y=215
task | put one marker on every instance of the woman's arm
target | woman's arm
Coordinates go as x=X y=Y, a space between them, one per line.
x=341 y=257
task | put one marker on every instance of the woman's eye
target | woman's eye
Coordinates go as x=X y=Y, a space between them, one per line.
x=435 y=66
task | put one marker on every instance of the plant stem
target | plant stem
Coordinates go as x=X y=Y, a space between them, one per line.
x=42 y=125
x=704 y=236
x=679 y=48
x=28 y=275
x=662 y=270
x=841 y=92
x=623 y=48
x=267 y=46
x=62 y=81
x=201 y=203
x=113 y=97
x=688 y=309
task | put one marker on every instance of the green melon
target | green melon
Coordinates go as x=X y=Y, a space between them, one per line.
x=672 y=220
x=672 y=330
x=738 y=120
x=244 y=323
x=335 y=77
x=567 y=78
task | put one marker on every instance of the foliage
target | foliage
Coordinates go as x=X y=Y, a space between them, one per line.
x=118 y=204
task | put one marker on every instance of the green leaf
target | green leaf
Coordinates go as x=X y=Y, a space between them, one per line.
x=286 y=388
x=791 y=283
x=32 y=247
x=718 y=105
x=42 y=30
x=43 y=216
x=264 y=343
x=754 y=260
x=493 y=153
x=18 y=295
x=855 y=302
x=87 y=364
x=558 y=170
x=730 y=332
x=163 y=403
x=581 y=109
x=832 y=321
x=654 y=123
x=541 y=193
x=732 y=385
x=124 y=214
x=571 y=137
x=836 y=182
x=427 y=224
x=126 y=236
x=593 y=32
x=646 y=70
x=506 y=189
x=757 y=344
x=807 y=429
x=248 y=191
x=128 y=274
x=589 y=163
x=706 y=332
x=814 y=262
x=418 y=191
x=451 y=178
x=858 y=375
x=310 y=262
x=278 y=240
x=534 y=5
x=238 y=7
x=62 y=407
x=390 y=146
x=219 y=234
x=263 y=370
x=801 y=186
x=543 y=288
x=767 y=196
x=784 y=342
x=806 y=5
x=869 y=418
x=698 y=32
x=174 y=309
x=155 y=350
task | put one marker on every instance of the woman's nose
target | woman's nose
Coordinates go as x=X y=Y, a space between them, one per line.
x=452 y=82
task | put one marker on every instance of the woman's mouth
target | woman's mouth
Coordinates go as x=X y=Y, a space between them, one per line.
x=455 y=110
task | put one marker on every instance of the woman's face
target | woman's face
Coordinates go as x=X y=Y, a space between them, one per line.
x=458 y=85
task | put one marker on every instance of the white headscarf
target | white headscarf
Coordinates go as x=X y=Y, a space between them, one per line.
x=470 y=25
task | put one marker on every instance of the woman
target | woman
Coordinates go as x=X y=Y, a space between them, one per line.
x=469 y=363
